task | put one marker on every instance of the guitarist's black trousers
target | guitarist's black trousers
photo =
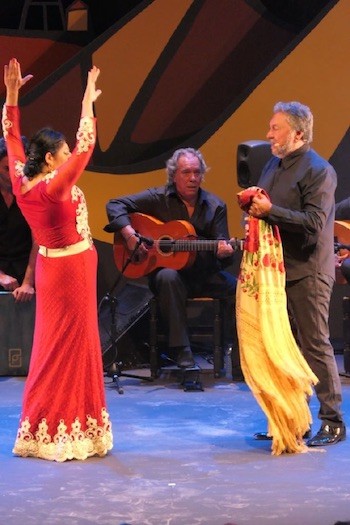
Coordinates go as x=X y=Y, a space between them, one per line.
x=172 y=288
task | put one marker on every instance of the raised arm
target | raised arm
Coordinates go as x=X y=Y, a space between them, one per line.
x=10 y=118
x=91 y=93
x=13 y=81
x=69 y=173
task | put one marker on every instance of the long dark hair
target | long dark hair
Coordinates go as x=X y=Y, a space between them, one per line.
x=44 y=141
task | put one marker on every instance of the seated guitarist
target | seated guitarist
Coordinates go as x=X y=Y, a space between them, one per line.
x=181 y=198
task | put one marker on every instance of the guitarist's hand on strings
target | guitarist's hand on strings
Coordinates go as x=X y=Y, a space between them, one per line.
x=138 y=249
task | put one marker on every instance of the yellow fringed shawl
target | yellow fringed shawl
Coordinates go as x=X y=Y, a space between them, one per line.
x=271 y=361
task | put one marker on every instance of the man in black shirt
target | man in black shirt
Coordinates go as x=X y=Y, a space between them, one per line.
x=183 y=199
x=301 y=186
x=17 y=250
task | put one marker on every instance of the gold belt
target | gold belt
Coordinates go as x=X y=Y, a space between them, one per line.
x=72 y=249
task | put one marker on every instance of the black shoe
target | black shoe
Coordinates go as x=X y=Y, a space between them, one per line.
x=263 y=436
x=185 y=357
x=327 y=435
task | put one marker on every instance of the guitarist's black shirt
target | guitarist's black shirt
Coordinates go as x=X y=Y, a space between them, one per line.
x=209 y=218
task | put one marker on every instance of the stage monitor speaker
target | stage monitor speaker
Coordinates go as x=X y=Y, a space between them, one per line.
x=16 y=335
x=129 y=311
x=252 y=156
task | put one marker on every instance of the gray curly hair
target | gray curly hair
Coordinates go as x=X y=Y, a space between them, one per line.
x=171 y=164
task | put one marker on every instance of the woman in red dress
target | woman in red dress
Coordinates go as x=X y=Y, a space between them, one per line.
x=64 y=413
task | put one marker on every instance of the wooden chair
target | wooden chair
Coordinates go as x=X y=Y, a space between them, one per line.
x=208 y=327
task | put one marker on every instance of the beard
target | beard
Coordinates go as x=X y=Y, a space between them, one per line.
x=283 y=150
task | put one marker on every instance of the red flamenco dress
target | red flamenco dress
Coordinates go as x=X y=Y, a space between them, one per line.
x=64 y=413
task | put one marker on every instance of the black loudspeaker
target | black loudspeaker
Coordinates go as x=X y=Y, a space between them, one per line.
x=251 y=158
x=16 y=335
x=123 y=326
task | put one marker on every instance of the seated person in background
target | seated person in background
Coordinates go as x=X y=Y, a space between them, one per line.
x=181 y=198
x=17 y=249
x=342 y=213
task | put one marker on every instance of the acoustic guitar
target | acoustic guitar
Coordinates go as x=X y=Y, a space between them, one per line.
x=172 y=244
x=341 y=239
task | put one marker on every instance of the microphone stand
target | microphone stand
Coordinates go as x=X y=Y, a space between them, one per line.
x=115 y=371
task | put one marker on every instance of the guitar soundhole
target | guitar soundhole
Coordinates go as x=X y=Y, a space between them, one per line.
x=166 y=245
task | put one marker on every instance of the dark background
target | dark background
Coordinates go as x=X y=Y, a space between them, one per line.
x=102 y=13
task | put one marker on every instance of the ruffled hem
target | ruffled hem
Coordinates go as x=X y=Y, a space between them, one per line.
x=76 y=444
x=63 y=451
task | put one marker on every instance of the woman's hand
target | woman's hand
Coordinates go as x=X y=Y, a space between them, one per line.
x=14 y=81
x=91 y=92
x=13 y=77
x=93 y=75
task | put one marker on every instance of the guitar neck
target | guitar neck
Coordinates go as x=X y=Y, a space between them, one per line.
x=194 y=245
x=175 y=238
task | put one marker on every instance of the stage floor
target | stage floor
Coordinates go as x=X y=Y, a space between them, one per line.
x=179 y=458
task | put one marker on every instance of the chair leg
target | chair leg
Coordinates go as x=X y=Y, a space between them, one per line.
x=217 y=337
